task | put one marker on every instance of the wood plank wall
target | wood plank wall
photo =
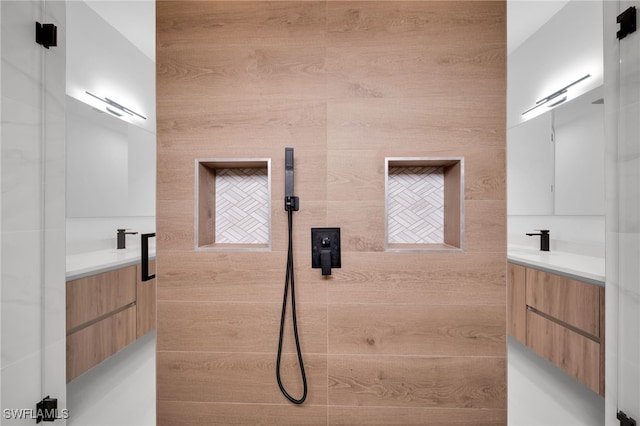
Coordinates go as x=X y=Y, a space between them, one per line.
x=390 y=338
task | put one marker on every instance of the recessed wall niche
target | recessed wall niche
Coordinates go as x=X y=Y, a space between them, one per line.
x=424 y=204
x=233 y=204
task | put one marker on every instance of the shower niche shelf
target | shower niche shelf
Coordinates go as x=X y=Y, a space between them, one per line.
x=424 y=204
x=233 y=204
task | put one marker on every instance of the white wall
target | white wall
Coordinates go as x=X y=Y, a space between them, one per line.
x=102 y=61
x=32 y=234
x=566 y=48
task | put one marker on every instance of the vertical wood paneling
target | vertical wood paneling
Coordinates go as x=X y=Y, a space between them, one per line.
x=517 y=302
x=389 y=338
x=145 y=302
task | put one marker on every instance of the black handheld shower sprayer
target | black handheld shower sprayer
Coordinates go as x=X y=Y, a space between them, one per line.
x=291 y=204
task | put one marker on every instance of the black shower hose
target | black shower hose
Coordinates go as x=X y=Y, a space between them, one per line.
x=289 y=281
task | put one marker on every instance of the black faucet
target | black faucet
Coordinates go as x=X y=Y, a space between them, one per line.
x=121 y=237
x=544 y=239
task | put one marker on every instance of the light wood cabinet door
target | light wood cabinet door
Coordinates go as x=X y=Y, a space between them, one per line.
x=516 y=302
x=574 y=353
x=93 y=344
x=146 y=302
x=571 y=302
x=91 y=298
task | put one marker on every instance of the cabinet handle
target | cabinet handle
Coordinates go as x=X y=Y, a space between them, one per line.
x=145 y=256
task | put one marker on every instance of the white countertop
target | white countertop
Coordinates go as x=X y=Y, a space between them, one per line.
x=586 y=268
x=95 y=262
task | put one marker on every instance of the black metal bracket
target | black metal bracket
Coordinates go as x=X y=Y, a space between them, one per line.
x=46 y=35
x=47 y=410
x=292 y=203
x=624 y=420
x=627 y=21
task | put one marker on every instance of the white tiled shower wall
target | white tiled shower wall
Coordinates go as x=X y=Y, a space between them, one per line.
x=33 y=214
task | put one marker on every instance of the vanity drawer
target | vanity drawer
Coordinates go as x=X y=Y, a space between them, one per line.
x=91 y=345
x=93 y=297
x=569 y=301
x=576 y=354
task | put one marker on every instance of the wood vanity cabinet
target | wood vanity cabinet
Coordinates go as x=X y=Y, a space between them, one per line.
x=145 y=302
x=561 y=319
x=106 y=312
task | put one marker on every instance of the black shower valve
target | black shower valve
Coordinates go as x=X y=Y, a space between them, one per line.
x=325 y=249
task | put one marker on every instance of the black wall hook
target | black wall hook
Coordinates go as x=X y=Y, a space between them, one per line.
x=46 y=35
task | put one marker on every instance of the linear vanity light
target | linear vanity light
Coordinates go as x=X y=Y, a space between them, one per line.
x=555 y=95
x=119 y=109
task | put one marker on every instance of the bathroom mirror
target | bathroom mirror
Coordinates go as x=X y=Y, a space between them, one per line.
x=555 y=162
x=110 y=165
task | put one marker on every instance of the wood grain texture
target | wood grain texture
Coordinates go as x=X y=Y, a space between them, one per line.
x=345 y=84
x=517 y=302
x=406 y=416
x=235 y=277
x=237 y=377
x=403 y=381
x=570 y=301
x=575 y=354
x=366 y=225
x=97 y=295
x=373 y=23
x=233 y=24
x=416 y=330
x=415 y=71
x=91 y=345
x=251 y=72
x=453 y=205
x=181 y=413
x=484 y=229
x=195 y=125
x=414 y=127
x=238 y=327
x=423 y=279
x=145 y=302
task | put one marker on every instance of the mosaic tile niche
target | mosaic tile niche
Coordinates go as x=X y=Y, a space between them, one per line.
x=233 y=210
x=424 y=204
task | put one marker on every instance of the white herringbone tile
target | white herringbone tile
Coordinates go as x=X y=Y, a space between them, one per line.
x=242 y=206
x=415 y=205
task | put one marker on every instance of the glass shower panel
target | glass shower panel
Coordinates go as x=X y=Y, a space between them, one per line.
x=623 y=268
x=32 y=285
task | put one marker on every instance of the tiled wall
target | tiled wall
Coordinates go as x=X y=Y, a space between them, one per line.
x=33 y=214
x=390 y=338
x=416 y=205
x=242 y=206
